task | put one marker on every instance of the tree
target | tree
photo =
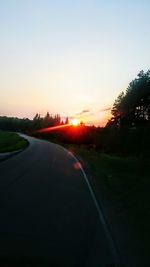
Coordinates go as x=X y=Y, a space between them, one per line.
x=117 y=109
x=37 y=122
x=67 y=121
x=133 y=106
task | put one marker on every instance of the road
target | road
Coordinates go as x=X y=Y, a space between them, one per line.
x=47 y=214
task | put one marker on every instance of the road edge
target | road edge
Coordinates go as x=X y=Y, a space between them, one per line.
x=98 y=204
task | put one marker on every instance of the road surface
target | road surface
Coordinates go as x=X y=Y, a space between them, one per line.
x=47 y=214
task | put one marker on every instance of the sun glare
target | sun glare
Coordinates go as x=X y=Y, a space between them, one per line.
x=75 y=122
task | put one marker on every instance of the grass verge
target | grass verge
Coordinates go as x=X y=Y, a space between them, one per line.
x=127 y=184
x=10 y=142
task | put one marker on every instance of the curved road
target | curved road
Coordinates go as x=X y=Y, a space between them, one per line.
x=47 y=214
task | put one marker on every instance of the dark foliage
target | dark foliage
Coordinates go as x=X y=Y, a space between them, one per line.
x=26 y=125
x=132 y=108
x=81 y=134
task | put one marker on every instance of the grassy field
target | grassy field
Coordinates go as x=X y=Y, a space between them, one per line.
x=11 y=141
x=127 y=184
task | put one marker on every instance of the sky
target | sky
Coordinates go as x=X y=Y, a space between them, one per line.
x=70 y=57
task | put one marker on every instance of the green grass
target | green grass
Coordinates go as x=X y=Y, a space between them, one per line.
x=11 y=142
x=127 y=184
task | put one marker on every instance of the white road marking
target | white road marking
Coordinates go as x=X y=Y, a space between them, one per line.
x=113 y=248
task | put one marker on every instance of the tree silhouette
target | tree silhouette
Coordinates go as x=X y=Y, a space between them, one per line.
x=27 y=125
x=66 y=120
x=133 y=106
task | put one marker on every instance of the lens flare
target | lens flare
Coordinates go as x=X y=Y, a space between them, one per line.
x=53 y=128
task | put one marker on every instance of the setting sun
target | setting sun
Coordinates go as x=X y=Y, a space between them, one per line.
x=75 y=122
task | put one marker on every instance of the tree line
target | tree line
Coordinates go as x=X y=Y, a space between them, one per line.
x=128 y=130
x=29 y=125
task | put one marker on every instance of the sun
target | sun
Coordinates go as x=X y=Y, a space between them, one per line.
x=75 y=122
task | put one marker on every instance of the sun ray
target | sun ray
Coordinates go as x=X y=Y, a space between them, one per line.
x=53 y=128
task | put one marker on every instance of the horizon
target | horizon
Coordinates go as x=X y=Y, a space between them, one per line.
x=70 y=58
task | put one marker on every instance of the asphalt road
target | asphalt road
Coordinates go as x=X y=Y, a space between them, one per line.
x=47 y=214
